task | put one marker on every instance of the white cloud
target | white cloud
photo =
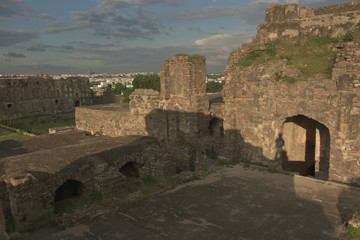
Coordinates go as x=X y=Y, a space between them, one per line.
x=212 y=38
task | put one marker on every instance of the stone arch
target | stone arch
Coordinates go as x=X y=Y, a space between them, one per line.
x=68 y=190
x=216 y=127
x=304 y=146
x=77 y=103
x=132 y=171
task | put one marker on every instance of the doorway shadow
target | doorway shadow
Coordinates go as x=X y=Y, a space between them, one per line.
x=304 y=147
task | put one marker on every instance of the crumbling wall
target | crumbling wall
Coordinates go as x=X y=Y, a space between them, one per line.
x=299 y=23
x=110 y=122
x=184 y=92
x=346 y=73
x=41 y=95
x=119 y=119
x=183 y=84
x=257 y=106
x=94 y=163
x=179 y=109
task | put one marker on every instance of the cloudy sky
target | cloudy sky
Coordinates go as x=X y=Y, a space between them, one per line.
x=115 y=36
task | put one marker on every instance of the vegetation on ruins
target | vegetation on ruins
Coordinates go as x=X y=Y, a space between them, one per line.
x=353 y=227
x=280 y=76
x=192 y=58
x=213 y=87
x=353 y=232
x=13 y=130
x=6 y=134
x=314 y=57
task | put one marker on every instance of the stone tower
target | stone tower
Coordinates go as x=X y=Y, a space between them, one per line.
x=183 y=83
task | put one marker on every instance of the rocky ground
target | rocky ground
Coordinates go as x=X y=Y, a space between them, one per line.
x=231 y=203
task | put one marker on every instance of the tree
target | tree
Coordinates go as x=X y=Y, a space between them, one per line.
x=119 y=89
x=127 y=93
x=151 y=81
x=213 y=87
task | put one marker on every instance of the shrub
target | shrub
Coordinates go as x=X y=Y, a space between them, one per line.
x=353 y=231
x=212 y=87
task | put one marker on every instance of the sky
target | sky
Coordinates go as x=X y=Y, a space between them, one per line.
x=123 y=36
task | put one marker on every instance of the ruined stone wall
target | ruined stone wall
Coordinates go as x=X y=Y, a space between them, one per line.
x=109 y=122
x=41 y=95
x=183 y=84
x=120 y=119
x=298 y=23
x=32 y=179
x=346 y=73
x=184 y=91
x=257 y=108
x=179 y=109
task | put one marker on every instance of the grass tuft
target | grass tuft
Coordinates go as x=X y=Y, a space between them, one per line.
x=353 y=231
x=314 y=58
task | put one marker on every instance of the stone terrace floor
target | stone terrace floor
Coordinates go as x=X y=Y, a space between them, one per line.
x=232 y=203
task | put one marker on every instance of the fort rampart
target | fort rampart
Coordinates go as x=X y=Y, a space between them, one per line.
x=23 y=97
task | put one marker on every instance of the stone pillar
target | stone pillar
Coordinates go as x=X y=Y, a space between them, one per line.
x=28 y=198
x=183 y=91
x=183 y=83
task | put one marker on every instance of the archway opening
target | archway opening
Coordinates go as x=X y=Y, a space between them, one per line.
x=216 y=128
x=132 y=172
x=77 y=103
x=305 y=147
x=69 y=190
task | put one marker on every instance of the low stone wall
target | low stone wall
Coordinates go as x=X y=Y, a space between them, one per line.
x=109 y=121
x=32 y=179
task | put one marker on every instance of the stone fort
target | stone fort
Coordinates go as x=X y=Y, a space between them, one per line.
x=41 y=95
x=311 y=127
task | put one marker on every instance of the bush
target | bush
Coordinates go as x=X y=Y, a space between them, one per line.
x=213 y=87
x=119 y=88
x=151 y=81
x=127 y=93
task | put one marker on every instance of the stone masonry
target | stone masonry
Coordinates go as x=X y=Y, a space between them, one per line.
x=178 y=108
x=306 y=126
x=35 y=175
x=22 y=97
x=311 y=126
x=295 y=22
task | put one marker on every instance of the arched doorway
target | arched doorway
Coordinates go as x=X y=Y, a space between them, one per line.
x=131 y=171
x=77 y=103
x=305 y=146
x=67 y=195
x=216 y=128
x=68 y=190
